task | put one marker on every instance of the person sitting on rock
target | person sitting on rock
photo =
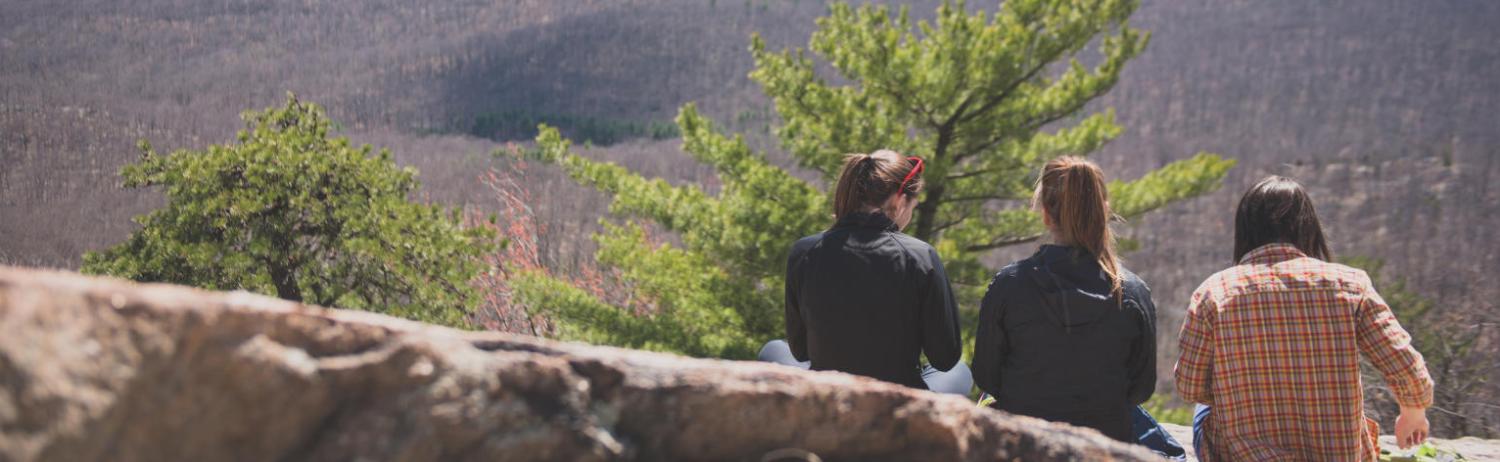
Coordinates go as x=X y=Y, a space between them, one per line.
x=1068 y=334
x=1270 y=347
x=865 y=299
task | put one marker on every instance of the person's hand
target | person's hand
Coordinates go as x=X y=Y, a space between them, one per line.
x=1411 y=427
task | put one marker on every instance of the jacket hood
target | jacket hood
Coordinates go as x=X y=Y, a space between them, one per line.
x=1071 y=283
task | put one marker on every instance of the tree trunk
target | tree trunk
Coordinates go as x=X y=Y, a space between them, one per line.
x=927 y=210
x=286 y=283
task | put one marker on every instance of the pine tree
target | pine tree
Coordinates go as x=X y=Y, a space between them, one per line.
x=287 y=211
x=984 y=100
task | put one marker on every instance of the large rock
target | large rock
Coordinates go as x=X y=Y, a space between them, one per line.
x=95 y=369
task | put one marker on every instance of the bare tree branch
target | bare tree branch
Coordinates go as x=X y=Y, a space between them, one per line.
x=1006 y=242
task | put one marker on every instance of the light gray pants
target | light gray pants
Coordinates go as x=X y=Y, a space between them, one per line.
x=957 y=380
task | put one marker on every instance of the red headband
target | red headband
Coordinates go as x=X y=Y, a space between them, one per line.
x=914 y=171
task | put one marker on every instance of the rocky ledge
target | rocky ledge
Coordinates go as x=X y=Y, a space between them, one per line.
x=95 y=369
x=1471 y=448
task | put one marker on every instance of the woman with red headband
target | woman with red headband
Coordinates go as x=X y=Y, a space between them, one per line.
x=865 y=299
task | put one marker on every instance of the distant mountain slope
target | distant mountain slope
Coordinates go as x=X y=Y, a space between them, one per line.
x=81 y=82
x=1386 y=109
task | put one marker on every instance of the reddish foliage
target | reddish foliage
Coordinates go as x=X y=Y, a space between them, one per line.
x=522 y=249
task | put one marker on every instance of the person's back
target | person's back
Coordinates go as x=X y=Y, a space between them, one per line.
x=868 y=296
x=1068 y=335
x=1273 y=346
x=864 y=299
x=1285 y=376
x=1056 y=344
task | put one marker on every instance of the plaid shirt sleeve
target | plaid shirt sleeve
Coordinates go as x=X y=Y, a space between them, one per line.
x=1389 y=348
x=1195 y=367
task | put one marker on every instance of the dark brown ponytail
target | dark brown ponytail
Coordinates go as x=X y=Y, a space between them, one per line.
x=1072 y=192
x=869 y=179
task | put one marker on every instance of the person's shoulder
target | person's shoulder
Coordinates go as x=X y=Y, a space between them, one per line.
x=1131 y=281
x=1216 y=285
x=1133 y=285
x=808 y=240
x=910 y=243
x=802 y=245
x=1347 y=277
x=916 y=249
x=1011 y=273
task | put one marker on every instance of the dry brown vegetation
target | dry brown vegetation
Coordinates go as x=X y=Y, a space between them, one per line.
x=1385 y=108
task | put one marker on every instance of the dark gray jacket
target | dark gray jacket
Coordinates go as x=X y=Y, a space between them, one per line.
x=863 y=298
x=1054 y=343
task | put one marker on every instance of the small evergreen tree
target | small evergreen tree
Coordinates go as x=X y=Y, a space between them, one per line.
x=288 y=211
x=969 y=93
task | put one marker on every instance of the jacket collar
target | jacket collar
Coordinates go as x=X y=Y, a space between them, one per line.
x=875 y=220
x=1273 y=253
x=1050 y=253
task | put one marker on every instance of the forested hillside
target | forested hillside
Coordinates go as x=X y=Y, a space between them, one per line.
x=1385 y=108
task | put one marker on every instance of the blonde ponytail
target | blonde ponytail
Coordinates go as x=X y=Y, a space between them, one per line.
x=1071 y=191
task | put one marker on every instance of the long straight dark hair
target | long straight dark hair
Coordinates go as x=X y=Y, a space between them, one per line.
x=1278 y=210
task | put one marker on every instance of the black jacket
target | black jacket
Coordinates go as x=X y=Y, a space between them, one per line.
x=1053 y=343
x=863 y=298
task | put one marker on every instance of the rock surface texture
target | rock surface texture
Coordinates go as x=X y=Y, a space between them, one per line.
x=99 y=369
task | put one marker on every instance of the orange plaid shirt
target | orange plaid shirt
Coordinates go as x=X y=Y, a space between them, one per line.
x=1273 y=345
